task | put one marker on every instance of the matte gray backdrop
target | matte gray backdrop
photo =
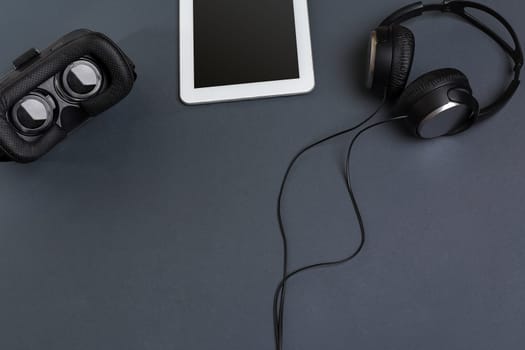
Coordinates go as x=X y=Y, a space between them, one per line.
x=154 y=226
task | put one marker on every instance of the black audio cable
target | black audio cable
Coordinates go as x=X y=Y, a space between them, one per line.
x=282 y=288
x=279 y=297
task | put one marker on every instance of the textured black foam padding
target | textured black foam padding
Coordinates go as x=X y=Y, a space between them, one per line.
x=403 y=47
x=428 y=83
x=24 y=152
x=53 y=60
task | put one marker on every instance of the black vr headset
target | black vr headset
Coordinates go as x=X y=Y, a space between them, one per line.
x=51 y=93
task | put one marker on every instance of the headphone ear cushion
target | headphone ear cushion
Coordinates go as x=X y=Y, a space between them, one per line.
x=439 y=103
x=403 y=47
x=429 y=82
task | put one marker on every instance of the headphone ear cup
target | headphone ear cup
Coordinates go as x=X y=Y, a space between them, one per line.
x=403 y=48
x=391 y=52
x=438 y=103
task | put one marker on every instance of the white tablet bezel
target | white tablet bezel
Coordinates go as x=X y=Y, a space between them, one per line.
x=191 y=95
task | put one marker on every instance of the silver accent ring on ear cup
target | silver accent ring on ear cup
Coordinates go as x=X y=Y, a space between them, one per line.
x=88 y=77
x=432 y=117
x=372 y=52
x=440 y=122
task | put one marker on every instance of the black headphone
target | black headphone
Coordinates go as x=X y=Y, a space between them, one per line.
x=441 y=102
x=436 y=104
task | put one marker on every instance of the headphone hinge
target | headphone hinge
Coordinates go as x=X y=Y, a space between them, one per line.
x=452 y=6
x=446 y=6
x=519 y=66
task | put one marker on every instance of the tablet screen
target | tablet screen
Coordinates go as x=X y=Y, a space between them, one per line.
x=244 y=41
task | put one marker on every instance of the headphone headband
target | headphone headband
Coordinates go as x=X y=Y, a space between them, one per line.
x=458 y=8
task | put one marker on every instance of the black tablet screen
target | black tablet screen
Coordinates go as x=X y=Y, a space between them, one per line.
x=244 y=41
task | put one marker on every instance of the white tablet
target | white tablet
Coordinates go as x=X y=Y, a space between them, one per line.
x=244 y=49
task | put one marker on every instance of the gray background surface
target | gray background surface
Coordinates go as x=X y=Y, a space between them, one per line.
x=154 y=226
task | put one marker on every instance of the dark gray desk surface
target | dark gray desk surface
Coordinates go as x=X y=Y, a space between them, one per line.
x=154 y=227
